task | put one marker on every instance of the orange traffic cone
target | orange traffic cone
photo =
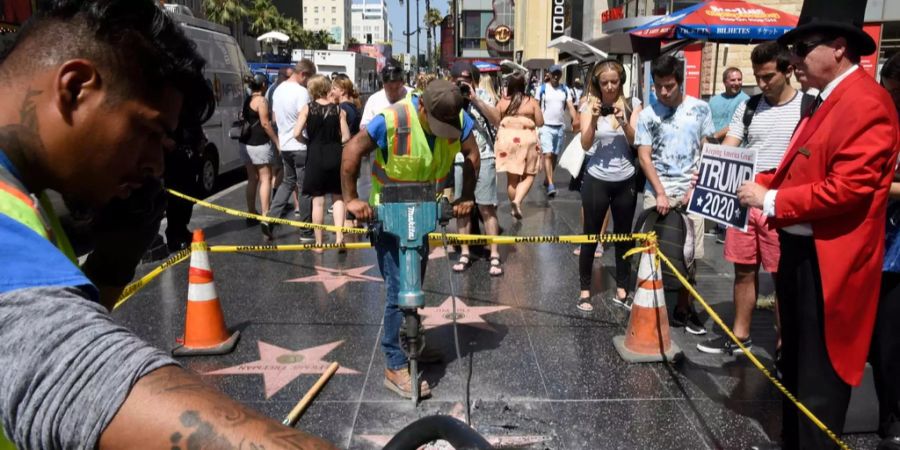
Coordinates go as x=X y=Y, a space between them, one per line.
x=204 y=324
x=647 y=336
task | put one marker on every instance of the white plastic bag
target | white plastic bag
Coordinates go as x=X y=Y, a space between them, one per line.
x=573 y=156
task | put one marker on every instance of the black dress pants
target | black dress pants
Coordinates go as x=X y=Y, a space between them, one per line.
x=806 y=369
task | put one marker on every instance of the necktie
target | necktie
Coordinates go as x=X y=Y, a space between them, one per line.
x=815 y=106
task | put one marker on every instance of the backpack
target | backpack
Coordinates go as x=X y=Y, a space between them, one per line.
x=570 y=94
x=675 y=235
x=806 y=102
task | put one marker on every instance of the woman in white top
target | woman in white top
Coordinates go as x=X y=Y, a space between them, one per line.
x=608 y=123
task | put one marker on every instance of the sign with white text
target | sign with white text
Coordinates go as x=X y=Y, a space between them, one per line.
x=722 y=171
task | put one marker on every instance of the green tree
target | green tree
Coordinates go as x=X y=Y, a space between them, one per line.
x=225 y=12
x=433 y=19
x=263 y=16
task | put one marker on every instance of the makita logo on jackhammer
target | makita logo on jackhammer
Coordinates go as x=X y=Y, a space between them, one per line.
x=411 y=223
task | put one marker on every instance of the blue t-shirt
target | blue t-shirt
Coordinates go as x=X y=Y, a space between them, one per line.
x=675 y=140
x=723 y=107
x=377 y=128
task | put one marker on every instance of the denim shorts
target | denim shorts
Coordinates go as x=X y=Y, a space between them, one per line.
x=552 y=139
x=485 y=187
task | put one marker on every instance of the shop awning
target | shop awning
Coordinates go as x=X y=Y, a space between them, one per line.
x=577 y=49
x=538 y=63
x=625 y=44
x=734 y=21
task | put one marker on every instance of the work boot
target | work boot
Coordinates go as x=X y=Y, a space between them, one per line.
x=400 y=382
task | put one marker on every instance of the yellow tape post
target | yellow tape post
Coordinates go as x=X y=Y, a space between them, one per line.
x=750 y=355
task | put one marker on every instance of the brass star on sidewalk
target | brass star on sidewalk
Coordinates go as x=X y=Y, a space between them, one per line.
x=335 y=278
x=436 y=316
x=279 y=366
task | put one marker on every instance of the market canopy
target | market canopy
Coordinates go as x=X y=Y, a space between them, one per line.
x=274 y=36
x=733 y=21
x=484 y=66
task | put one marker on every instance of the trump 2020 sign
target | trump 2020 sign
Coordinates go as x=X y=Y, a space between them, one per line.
x=722 y=171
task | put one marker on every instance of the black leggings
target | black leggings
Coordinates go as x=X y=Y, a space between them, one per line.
x=597 y=197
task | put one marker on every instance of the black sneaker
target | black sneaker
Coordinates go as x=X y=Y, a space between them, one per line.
x=723 y=345
x=720 y=236
x=689 y=320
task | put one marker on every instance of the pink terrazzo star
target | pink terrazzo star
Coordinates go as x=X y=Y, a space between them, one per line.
x=457 y=413
x=279 y=366
x=335 y=278
x=435 y=316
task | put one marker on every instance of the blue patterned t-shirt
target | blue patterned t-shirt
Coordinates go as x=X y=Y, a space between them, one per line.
x=674 y=136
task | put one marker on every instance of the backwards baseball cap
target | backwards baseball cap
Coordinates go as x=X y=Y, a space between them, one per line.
x=555 y=68
x=392 y=71
x=443 y=102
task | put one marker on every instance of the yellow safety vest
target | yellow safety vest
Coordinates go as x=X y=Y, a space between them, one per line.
x=36 y=214
x=408 y=157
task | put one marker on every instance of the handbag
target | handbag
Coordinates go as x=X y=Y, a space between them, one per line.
x=573 y=156
x=240 y=130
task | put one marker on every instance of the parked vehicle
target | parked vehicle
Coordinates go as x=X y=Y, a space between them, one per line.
x=225 y=71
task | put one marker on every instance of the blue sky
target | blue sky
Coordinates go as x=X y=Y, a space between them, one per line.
x=397 y=14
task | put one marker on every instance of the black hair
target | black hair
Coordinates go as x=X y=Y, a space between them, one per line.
x=667 y=66
x=257 y=82
x=772 y=51
x=392 y=71
x=131 y=42
x=891 y=69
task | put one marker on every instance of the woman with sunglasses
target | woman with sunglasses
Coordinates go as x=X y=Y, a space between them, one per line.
x=608 y=123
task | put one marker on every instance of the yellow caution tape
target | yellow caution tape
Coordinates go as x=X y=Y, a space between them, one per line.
x=287 y=248
x=133 y=288
x=234 y=212
x=751 y=356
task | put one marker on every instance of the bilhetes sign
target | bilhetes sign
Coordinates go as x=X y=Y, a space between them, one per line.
x=722 y=171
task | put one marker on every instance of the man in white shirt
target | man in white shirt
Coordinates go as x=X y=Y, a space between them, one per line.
x=394 y=90
x=289 y=98
x=772 y=116
x=555 y=100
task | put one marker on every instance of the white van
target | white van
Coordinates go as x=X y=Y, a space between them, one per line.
x=225 y=71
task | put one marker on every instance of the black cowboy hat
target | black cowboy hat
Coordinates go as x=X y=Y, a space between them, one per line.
x=842 y=17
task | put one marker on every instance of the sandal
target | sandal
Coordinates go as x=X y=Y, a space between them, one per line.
x=496 y=269
x=516 y=210
x=584 y=304
x=463 y=264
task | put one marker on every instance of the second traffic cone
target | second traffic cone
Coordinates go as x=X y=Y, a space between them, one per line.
x=647 y=336
x=204 y=324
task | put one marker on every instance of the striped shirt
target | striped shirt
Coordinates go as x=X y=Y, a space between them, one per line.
x=770 y=131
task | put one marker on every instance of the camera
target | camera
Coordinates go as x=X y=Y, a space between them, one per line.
x=607 y=110
x=464 y=89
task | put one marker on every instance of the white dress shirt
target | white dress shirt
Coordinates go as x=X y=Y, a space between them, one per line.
x=804 y=229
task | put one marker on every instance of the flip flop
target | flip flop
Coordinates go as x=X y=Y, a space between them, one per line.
x=584 y=304
x=495 y=264
x=463 y=264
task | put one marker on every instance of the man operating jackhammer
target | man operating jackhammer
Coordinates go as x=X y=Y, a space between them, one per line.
x=417 y=140
x=93 y=91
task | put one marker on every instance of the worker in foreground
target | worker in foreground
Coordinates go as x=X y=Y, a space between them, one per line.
x=93 y=91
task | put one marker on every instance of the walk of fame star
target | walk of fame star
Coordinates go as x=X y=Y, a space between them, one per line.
x=279 y=366
x=435 y=316
x=335 y=278
x=496 y=441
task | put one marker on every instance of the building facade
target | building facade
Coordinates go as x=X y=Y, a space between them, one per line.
x=483 y=30
x=370 y=23
x=333 y=16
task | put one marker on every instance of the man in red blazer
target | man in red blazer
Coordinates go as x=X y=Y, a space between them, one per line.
x=828 y=199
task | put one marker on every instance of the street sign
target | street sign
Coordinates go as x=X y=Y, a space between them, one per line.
x=722 y=171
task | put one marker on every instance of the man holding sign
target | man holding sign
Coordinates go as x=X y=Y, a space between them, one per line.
x=669 y=136
x=764 y=125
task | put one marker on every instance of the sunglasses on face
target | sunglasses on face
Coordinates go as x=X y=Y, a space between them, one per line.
x=803 y=48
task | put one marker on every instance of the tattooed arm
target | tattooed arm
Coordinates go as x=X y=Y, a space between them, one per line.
x=172 y=408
